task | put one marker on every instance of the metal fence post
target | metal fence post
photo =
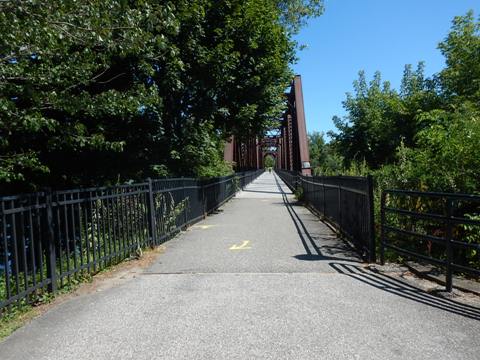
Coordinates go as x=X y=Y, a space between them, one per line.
x=371 y=221
x=324 y=200
x=204 y=199
x=185 y=216
x=151 y=214
x=339 y=212
x=49 y=249
x=382 y=228
x=448 y=240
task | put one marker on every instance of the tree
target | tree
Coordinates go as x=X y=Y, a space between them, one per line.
x=323 y=158
x=106 y=92
x=269 y=161
x=74 y=88
x=461 y=77
x=294 y=13
x=423 y=137
x=370 y=131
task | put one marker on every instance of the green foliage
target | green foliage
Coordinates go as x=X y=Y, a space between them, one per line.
x=74 y=94
x=269 y=161
x=461 y=78
x=107 y=92
x=379 y=117
x=299 y=193
x=323 y=157
x=296 y=12
x=472 y=236
x=424 y=137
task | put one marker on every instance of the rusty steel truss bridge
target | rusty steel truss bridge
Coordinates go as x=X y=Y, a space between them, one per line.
x=287 y=144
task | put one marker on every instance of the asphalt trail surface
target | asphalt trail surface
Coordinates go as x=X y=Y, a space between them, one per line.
x=261 y=279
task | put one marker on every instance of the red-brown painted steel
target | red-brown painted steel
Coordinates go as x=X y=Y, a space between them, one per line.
x=290 y=146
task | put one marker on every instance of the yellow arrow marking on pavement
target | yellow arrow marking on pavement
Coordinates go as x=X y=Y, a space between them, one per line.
x=241 y=247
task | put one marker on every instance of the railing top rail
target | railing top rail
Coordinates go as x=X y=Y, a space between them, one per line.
x=339 y=177
x=100 y=188
x=346 y=188
x=173 y=178
x=21 y=196
x=433 y=194
x=33 y=195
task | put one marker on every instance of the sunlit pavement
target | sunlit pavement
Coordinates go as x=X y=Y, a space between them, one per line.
x=265 y=279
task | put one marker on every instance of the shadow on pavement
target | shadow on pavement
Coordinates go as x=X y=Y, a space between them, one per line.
x=329 y=247
x=263 y=192
x=401 y=288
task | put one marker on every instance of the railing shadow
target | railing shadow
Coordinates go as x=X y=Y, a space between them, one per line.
x=403 y=289
x=349 y=264
x=260 y=191
x=324 y=252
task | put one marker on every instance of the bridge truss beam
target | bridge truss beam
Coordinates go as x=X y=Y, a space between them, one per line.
x=289 y=145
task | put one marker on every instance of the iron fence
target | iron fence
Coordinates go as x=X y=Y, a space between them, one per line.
x=291 y=178
x=49 y=239
x=344 y=201
x=439 y=228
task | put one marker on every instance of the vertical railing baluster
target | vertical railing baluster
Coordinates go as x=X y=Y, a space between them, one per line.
x=50 y=244
x=184 y=202
x=109 y=226
x=74 y=233
x=133 y=217
x=5 y=249
x=151 y=215
x=58 y=241
x=92 y=231
x=66 y=236
x=39 y=249
x=324 y=200
x=127 y=222
x=100 y=258
x=23 y=245
x=32 y=247
x=448 y=243
x=80 y=227
x=145 y=219
x=103 y=219
x=86 y=214
x=14 y=238
x=371 y=221
x=116 y=237
x=204 y=199
x=382 y=227
x=339 y=209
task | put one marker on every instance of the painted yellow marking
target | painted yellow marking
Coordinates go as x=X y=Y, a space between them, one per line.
x=203 y=227
x=243 y=246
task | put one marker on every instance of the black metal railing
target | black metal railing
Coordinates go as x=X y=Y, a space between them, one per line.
x=438 y=228
x=48 y=239
x=344 y=201
x=291 y=178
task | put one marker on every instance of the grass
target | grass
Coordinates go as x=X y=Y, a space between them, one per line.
x=20 y=314
x=16 y=318
x=92 y=242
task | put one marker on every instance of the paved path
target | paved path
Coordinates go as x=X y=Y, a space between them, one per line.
x=262 y=279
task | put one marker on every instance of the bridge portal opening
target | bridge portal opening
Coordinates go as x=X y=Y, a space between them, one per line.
x=269 y=160
x=287 y=142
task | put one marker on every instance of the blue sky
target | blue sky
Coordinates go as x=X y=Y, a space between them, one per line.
x=371 y=35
